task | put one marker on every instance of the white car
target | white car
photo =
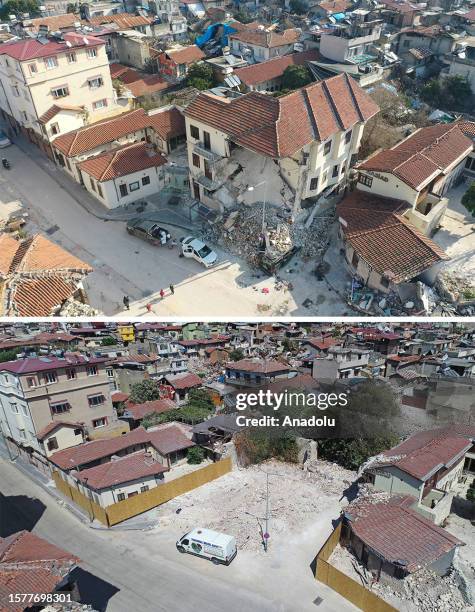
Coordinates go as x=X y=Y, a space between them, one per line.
x=4 y=141
x=192 y=247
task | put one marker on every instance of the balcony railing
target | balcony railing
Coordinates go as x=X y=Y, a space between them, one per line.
x=201 y=150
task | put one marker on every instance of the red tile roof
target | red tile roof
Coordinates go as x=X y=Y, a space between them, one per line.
x=397 y=533
x=424 y=453
x=268 y=40
x=55 y=109
x=274 y=68
x=30 y=365
x=102 y=132
x=119 y=396
x=425 y=153
x=279 y=127
x=400 y=7
x=54 y=22
x=184 y=381
x=70 y=458
x=335 y=6
x=123 y=21
x=40 y=297
x=137 y=83
x=29 y=564
x=470 y=15
x=168 y=124
x=138 y=411
x=122 y=161
x=170 y=437
x=41 y=435
x=120 y=471
x=263 y=366
x=187 y=55
x=322 y=343
x=24 y=50
x=468 y=127
x=378 y=232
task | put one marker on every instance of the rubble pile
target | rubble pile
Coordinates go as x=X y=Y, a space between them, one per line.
x=240 y=232
x=427 y=592
x=455 y=288
x=74 y=308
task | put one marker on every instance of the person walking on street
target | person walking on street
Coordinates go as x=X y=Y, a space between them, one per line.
x=172 y=289
x=162 y=293
x=148 y=307
x=126 y=301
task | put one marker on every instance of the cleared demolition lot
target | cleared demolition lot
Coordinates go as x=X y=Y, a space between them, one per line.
x=236 y=502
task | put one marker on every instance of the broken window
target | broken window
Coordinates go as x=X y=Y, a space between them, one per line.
x=194 y=132
x=335 y=171
x=327 y=148
x=196 y=160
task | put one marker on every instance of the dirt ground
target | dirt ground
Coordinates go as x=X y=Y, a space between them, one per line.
x=236 y=502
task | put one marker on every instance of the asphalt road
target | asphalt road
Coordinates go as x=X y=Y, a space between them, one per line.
x=114 y=574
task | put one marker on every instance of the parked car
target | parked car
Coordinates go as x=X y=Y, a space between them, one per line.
x=212 y=545
x=148 y=230
x=4 y=140
x=192 y=247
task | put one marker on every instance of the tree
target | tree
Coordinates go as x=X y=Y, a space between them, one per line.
x=450 y=93
x=351 y=453
x=295 y=77
x=195 y=455
x=200 y=76
x=289 y=345
x=16 y=7
x=299 y=7
x=468 y=198
x=236 y=355
x=108 y=341
x=242 y=16
x=9 y=355
x=145 y=391
x=200 y=398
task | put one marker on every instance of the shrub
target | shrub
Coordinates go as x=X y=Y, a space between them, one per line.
x=195 y=455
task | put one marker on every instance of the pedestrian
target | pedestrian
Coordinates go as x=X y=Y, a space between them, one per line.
x=126 y=301
x=172 y=289
x=162 y=293
x=148 y=307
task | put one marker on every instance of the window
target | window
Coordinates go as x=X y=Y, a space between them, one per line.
x=91 y=370
x=336 y=170
x=71 y=373
x=52 y=444
x=16 y=91
x=60 y=407
x=324 y=177
x=134 y=186
x=123 y=190
x=313 y=183
x=99 y=104
x=102 y=422
x=365 y=180
x=71 y=57
x=33 y=68
x=60 y=92
x=93 y=186
x=132 y=494
x=196 y=160
x=327 y=148
x=145 y=180
x=24 y=409
x=24 y=116
x=99 y=190
x=91 y=53
x=354 y=259
x=54 y=128
x=14 y=408
x=95 y=83
x=385 y=281
x=96 y=400
x=144 y=488
x=22 y=434
x=51 y=62
x=194 y=132
x=348 y=137
x=50 y=377
x=26 y=95
x=31 y=382
x=78 y=432
x=121 y=497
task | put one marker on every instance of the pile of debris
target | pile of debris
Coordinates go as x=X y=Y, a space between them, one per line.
x=427 y=591
x=75 y=308
x=240 y=232
x=457 y=289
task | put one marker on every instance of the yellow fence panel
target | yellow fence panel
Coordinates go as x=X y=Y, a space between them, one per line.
x=116 y=513
x=93 y=510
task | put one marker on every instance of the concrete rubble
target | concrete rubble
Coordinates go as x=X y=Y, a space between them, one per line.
x=74 y=308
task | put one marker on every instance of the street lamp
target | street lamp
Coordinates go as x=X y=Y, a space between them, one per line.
x=252 y=188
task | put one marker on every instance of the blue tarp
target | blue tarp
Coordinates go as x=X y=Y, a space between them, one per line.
x=210 y=33
x=338 y=16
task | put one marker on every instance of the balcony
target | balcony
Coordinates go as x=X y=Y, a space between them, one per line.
x=210 y=156
x=435 y=505
x=428 y=213
x=208 y=183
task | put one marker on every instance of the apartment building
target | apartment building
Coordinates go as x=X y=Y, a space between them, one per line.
x=49 y=86
x=260 y=45
x=341 y=363
x=225 y=134
x=38 y=391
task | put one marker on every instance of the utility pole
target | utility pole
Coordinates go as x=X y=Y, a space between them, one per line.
x=266 y=534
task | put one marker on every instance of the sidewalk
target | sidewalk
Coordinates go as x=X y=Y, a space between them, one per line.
x=157 y=211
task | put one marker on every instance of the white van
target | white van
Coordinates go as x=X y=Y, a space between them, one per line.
x=218 y=547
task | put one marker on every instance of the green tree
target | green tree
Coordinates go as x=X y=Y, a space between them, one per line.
x=16 y=7
x=236 y=355
x=195 y=455
x=299 y=7
x=289 y=345
x=351 y=453
x=145 y=391
x=295 y=77
x=468 y=198
x=451 y=93
x=200 y=76
x=255 y=446
x=9 y=355
x=108 y=341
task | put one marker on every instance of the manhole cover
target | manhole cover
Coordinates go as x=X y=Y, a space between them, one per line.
x=318 y=601
x=50 y=231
